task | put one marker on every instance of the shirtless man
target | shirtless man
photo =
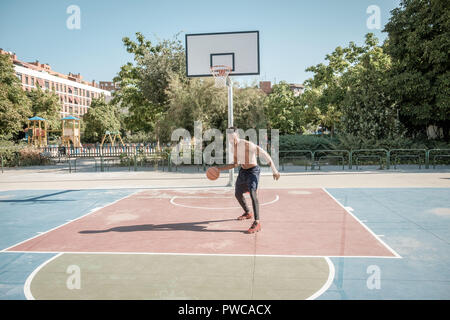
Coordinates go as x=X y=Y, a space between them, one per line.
x=245 y=153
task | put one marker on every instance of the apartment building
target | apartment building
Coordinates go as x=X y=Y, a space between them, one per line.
x=75 y=94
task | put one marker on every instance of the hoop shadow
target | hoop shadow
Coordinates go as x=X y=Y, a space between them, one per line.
x=40 y=198
x=199 y=226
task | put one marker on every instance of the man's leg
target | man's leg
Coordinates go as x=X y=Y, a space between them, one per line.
x=239 y=194
x=255 y=203
x=240 y=189
x=252 y=187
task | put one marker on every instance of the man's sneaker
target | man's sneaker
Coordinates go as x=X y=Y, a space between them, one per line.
x=256 y=226
x=245 y=216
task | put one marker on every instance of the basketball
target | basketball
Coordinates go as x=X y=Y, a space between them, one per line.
x=213 y=173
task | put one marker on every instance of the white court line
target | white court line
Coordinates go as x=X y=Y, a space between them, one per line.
x=172 y=201
x=90 y=212
x=29 y=296
x=327 y=283
x=366 y=227
x=27 y=285
x=203 y=254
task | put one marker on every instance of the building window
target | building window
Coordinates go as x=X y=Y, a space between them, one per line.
x=70 y=90
x=26 y=79
x=47 y=85
x=32 y=82
x=87 y=93
x=76 y=91
x=19 y=76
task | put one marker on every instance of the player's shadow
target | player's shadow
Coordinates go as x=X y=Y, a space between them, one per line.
x=200 y=226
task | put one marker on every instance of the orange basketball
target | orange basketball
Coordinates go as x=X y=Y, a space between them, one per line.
x=213 y=173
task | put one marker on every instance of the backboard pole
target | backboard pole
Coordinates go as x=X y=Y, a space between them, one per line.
x=230 y=124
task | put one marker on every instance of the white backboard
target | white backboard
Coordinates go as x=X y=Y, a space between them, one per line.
x=238 y=50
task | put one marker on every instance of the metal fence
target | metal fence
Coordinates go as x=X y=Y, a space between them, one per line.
x=136 y=156
x=382 y=157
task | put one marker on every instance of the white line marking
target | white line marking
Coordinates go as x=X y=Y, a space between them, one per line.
x=349 y=208
x=207 y=254
x=27 y=285
x=327 y=283
x=90 y=212
x=367 y=228
x=172 y=201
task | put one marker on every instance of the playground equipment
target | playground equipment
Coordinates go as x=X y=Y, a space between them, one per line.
x=113 y=135
x=36 y=132
x=71 y=131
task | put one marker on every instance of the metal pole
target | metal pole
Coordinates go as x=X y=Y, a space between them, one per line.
x=230 y=124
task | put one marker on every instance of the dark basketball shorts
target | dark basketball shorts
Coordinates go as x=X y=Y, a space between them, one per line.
x=247 y=180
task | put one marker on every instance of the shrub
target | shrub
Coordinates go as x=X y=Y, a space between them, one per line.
x=307 y=142
x=21 y=155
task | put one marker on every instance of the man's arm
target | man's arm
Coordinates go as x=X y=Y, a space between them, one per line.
x=228 y=167
x=265 y=155
x=231 y=165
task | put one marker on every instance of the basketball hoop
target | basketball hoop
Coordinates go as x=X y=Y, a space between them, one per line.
x=220 y=74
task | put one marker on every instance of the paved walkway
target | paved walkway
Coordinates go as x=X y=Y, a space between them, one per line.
x=51 y=178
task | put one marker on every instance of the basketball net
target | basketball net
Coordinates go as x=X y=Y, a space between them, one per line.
x=220 y=74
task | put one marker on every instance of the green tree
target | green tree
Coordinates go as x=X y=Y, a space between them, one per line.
x=249 y=106
x=419 y=44
x=144 y=84
x=283 y=110
x=352 y=91
x=193 y=100
x=324 y=93
x=102 y=117
x=46 y=105
x=15 y=107
x=199 y=100
x=368 y=110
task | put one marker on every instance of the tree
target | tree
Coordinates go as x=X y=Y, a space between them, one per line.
x=368 y=109
x=283 y=109
x=101 y=117
x=46 y=105
x=193 y=100
x=352 y=91
x=15 y=107
x=419 y=43
x=143 y=85
x=249 y=104
x=324 y=93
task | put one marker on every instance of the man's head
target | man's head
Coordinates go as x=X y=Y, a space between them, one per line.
x=233 y=135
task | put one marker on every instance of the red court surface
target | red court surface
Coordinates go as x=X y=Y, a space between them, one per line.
x=296 y=222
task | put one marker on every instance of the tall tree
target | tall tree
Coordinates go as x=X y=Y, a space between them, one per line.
x=368 y=110
x=46 y=105
x=102 y=117
x=419 y=44
x=143 y=85
x=282 y=110
x=15 y=107
x=351 y=91
x=193 y=100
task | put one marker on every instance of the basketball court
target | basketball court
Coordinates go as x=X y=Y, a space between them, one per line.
x=87 y=237
x=185 y=243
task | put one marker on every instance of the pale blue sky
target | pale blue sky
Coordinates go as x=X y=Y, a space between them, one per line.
x=294 y=34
